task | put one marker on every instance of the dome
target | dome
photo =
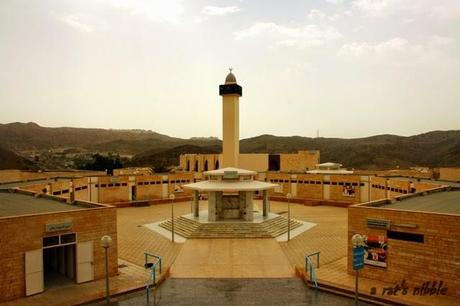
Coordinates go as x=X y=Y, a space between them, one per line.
x=230 y=79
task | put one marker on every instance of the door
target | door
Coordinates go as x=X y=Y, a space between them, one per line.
x=133 y=193
x=34 y=271
x=85 y=263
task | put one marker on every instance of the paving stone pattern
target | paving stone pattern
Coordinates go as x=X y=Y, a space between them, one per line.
x=290 y=291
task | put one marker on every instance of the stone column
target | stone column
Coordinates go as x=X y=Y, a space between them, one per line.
x=71 y=192
x=265 y=203
x=249 y=206
x=212 y=206
x=196 y=204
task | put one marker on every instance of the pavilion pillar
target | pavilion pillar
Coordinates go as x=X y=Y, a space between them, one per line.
x=265 y=203
x=196 y=203
x=212 y=199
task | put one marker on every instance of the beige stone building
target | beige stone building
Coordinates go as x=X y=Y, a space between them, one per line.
x=46 y=242
x=261 y=162
x=414 y=239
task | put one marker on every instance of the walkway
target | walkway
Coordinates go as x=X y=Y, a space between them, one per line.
x=228 y=292
x=231 y=258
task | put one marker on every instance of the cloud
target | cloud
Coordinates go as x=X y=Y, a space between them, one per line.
x=81 y=22
x=301 y=36
x=219 y=10
x=440 y=40
x=318 y=15
x=396 y=50
x=373 y=7
x=440 y=9
x=365 y=49
x=167 y=11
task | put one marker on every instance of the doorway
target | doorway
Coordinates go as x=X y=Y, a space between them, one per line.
x=133 y=193
x=273 y=162
x=59 y=266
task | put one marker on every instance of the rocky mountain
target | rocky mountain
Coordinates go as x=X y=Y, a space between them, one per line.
x=30 y=136
x=10 y=160
x=437 y=148
x=433 y=149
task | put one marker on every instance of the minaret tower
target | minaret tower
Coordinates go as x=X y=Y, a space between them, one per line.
x=231 y=93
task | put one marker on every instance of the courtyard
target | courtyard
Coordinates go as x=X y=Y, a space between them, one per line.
x=260 y=264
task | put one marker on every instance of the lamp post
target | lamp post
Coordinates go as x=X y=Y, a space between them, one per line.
x=289 y=196
x=358 y=244
x=172 y=197
x=106 y=242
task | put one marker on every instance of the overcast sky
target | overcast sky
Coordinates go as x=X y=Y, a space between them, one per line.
x=350 y=68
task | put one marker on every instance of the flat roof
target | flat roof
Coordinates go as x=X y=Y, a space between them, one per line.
x=440 y=202
x=422 y=180
x=16 y=204
x=222 y=171
x=32 y=182
x=230 y=186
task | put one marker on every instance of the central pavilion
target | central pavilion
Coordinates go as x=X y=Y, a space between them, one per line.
x=230 y=194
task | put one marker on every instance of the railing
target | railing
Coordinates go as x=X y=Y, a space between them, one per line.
x=153 y=271
x=310 y=269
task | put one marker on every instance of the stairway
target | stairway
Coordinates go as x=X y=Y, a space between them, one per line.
x=278 y=226
x=182 y=226
x=195 y=230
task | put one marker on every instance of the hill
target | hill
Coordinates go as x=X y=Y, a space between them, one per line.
x=432 y=149
x=30 y=136
x=10 y=160
x=164 y=158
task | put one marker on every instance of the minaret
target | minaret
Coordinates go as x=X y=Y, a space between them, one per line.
x=231 y=93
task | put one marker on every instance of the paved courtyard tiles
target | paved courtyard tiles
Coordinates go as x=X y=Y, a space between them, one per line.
x=134 y=238
x=216 y=292
x=227 y=258
x=231 y=258
x=329 y=236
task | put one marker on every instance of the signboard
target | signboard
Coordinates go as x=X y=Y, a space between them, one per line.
x=348 y=191
x=375 y=251
x=58 y=227
x=378 y=223
x=358 y=258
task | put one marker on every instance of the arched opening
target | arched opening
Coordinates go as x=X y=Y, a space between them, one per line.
x=273 y=163
x=217 y=164
x=206 y=165
x=196 y=166
x=188 y=166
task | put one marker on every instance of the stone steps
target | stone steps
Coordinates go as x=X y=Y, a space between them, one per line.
x=278 y=226
x=182 y=226
x=194 y=230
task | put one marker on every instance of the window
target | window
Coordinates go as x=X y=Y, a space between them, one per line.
x=406 y=236
x=68 y=238
x=50 y=241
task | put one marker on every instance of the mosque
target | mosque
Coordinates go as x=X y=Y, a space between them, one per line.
x=230 y=189
x=66 y=214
